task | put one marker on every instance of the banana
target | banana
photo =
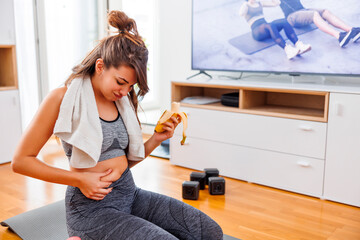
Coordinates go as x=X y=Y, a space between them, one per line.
x=165 y=117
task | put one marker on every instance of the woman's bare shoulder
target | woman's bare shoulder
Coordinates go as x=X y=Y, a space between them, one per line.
x=53 y=101
x=41 y=127
x=57 y=94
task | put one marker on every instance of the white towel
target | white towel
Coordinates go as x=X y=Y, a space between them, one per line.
x=78 y=124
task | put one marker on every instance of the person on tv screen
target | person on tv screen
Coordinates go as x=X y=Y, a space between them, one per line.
x=299 y=16
x=252 y=10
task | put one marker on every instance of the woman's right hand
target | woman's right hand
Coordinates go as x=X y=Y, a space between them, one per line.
x=92 y=186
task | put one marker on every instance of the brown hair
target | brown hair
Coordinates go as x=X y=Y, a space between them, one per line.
x=125 y=48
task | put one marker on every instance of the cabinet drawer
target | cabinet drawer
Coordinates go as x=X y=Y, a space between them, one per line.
x=293 y=173
x=10 y=124
x=299 y=137
x=199 y=154
x=288 y=172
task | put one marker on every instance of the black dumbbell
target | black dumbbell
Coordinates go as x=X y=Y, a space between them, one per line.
x=216 y=185
x=200 y=177
x=190 y=190
x=210 y=172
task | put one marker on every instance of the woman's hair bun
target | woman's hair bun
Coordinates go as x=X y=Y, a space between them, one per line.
x=121 y=21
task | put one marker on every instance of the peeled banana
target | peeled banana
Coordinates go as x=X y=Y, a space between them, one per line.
x=165 y=117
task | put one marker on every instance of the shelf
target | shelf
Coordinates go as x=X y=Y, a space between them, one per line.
x=212 y=106
x=305 y=105
x=8 y=88
x=183 y=90
x=8 y=72
x=294 y=104
x=288 y=112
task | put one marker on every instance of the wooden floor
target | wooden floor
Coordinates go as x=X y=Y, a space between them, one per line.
x=246 y=211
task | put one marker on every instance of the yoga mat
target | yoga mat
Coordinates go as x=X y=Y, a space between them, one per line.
x=45 y=223
x=162 y=151
x=248 y=45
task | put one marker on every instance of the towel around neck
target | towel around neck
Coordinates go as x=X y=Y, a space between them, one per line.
x=78 y=124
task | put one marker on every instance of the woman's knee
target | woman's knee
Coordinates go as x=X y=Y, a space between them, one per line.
x=211 y=230
x=198 y=224
x=279 y=23
x=325 y=14
x=318 y=15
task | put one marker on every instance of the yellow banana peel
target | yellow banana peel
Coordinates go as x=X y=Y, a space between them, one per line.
x=165 y=117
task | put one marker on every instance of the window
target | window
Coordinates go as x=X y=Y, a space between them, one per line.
x=143 y=12
x=68 y=30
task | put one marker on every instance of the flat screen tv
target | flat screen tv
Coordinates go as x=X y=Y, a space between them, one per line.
x=222 y=39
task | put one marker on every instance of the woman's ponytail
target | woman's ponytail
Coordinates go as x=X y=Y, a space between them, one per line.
x=124 y=48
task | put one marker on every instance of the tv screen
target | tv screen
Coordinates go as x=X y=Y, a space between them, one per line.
x=239 y=35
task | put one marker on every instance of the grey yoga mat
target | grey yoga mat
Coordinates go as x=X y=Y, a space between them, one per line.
x=45 y=223
x=248 y=45
x=162 y=151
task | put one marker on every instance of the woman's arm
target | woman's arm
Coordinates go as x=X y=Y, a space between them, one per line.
x=35 y=137
x=243 y=9
x=270 y=3
x=157 y=138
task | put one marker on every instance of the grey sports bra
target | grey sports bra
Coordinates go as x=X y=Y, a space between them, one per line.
x=254 y=13
x=115 y=139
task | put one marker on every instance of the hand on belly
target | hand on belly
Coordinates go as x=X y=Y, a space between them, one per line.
x=117 y=165
x=95 y=181
x=112 y=177
x=92 y=186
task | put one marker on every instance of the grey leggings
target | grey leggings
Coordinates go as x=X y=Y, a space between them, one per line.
x=132 y=213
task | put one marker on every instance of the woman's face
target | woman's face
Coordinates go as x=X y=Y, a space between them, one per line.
x=117 y=82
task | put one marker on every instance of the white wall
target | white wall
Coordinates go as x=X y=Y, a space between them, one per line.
x=7 y=33
x=174 y=45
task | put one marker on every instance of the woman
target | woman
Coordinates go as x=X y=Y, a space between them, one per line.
x=252 y=10
x=299 y=16
x=102 y=201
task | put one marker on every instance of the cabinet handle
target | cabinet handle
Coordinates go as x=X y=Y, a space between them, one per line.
x=306 y=128
x=338 y=109
x=14 y=101
x=303 y=163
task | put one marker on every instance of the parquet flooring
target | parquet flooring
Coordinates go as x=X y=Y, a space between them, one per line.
x=247 y=211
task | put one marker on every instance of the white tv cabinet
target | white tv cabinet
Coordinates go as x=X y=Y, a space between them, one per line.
x=300 y=137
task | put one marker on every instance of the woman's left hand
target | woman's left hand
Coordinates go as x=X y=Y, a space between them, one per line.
x=157 y=138
x=169 y=128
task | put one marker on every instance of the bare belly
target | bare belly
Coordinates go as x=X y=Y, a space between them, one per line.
x=118 y=166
